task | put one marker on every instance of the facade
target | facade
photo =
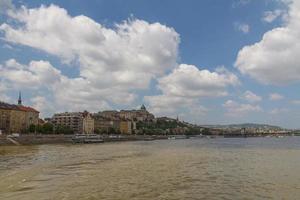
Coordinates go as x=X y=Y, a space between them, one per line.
x=78 y=122
x=17 y=121
x=17 y=118
x=31 y=116
x=88 y=123
x=109 y=114
x=137 y=115
x=5 y=117
x=105 y=124
x=126 y=127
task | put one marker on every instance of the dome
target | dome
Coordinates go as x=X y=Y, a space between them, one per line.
x=143 y=107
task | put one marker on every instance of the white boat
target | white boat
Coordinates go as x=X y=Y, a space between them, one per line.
x=177 y=137
x=87 y=138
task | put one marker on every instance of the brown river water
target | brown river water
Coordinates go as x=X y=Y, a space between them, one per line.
x=252 y=168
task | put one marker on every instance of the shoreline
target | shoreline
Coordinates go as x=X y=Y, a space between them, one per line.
x=39 y=139
x=32 y=139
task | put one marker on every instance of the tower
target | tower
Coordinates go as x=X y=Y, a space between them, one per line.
x=20 y=99
x=143 y=107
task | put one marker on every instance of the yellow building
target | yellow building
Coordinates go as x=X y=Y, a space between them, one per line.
x=17 y=121
x=88 y=123
x=5 y=110
x=126 y=127
x=17 y=118
x=31 y=115
x=12 y=119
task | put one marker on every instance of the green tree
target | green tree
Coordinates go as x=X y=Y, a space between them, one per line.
x=60 y=129
x=32 y=128
x=47 y=128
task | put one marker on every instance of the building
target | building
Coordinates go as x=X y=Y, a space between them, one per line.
x=17 y=121
x=136 y=115
x=5 y=117
x=17 y=118
x=31 y=116
x=126 y=127
x=78 y=122
x=88 y=123
x=109 y=114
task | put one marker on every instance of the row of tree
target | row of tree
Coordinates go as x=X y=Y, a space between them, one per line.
x=48 y=128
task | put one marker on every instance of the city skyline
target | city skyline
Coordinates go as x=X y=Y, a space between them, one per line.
x=209 y=62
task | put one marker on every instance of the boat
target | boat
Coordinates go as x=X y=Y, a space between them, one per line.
x=149 y=139
x=177 y=137
x=87 y=138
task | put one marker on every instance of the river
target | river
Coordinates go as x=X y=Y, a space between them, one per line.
x=221 y=168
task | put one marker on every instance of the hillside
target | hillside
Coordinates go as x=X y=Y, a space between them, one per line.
x=245 y=125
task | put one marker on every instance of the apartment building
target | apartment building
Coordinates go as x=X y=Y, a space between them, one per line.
x=78 y=122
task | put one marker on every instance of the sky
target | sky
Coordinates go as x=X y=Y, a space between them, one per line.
x=207 y=62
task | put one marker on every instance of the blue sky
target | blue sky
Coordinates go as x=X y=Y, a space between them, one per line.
x=209 y=61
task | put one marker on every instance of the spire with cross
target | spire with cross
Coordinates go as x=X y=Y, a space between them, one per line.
x=20 y=99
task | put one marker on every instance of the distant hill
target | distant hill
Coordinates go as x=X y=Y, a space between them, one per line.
x=246 y=125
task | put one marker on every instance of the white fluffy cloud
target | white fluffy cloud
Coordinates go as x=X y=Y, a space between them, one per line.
x=113 y=62
x=270 y=16
x=238 y=3
x=236 y=109
x=244 y=28
x=5 y=5
x=187 y=85
x=127 y=56
x=277 y=111
x=275 y=97
x=34 y=75
x=251 y=97
x=274 y=60
x=189 y=81
x=3 y=89
x=296 y=102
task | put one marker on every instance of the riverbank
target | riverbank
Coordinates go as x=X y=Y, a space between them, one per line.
x=32 y=139
x=38 y=139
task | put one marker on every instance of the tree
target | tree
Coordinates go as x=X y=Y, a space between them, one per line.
x=60 y=129
x=47 y=128
x=32 y=128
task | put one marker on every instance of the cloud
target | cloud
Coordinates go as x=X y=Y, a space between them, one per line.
x=275 y=97
x=3 y=89
x=5 y=5
x=32 y=76
x=114 y=63
x=270 y=16
x=251 y=97
x=43 y=105
x=277 y=111
x=296 y=102
x=186 y=85
x=166 y=105
x=129 y=55
x=235 y=109
x=274 y=60
x=189 y=81
x=242 y=27
x=238 y=3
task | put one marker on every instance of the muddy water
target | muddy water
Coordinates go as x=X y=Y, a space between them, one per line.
x=256 y=168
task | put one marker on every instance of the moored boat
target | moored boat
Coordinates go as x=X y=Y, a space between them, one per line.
x=178 y=137
x=87 y=138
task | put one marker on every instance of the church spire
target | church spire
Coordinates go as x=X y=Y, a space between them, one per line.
x=20 y=99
